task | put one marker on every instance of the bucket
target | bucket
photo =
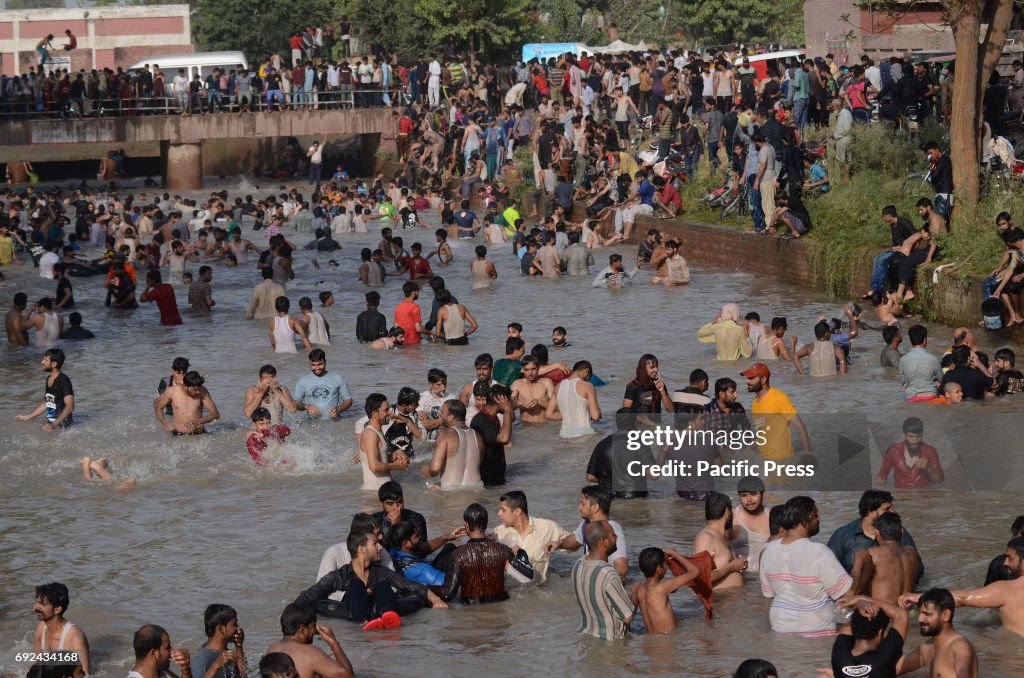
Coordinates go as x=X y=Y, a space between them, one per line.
x=992 y=310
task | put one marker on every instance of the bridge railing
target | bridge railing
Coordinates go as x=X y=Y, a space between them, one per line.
x=27 y=109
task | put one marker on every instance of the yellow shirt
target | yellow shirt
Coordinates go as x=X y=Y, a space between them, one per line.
x=772 y=414
x=6 y=250
x=540 y=532
x=627 y=165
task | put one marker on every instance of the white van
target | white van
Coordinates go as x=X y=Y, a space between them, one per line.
x=201 y=63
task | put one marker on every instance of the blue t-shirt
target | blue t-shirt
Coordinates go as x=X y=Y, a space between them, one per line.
x=322 y=392
x=646 y=193
x=817 y=174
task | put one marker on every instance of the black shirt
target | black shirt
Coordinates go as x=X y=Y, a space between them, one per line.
x=972 y=381
x=55 y=395
x=609 y=463
x=327 y=244
x=901 y=230
x=76 y=334
x=942 y=175
x=492 y=459
x=878 y=663
x=645 y=399
x=371 y=325
x=63 y=287
x=417 y=520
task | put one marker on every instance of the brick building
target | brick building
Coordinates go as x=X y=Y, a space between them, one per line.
x=875 y=32
x=107 y=36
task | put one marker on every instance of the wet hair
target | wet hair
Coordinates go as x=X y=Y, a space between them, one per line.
x=889 y=333
x=1017 y=544
x=698 y=376
x=918 y=334
x=641 y=368
x=444 y=297
x=296 y=615
x=889 y=526
x=540 y=352
x=940 y=599
x=401 y=533
x=482 y=389
x=822 y=330
x=324 y=296
x=408 y=396
x=1017 y=529
x=716 y=505
x=756 y=668
x=390 y=491
x=56 y=356
x=147 y=639
x=475 y=517
x=775 y=514
x=497 y=391
x=357 y=539
x=515 y=326
x=55 y=594
x=913 y=425
x=435 y=375
x=268 y=273
x=595 y=531
x=373 y=403
x=305 y=303
x=268 y=369
x=724 y=384
x=798 y=512
x=863 y=628
x=583 y=365
x=260 y=414
x=181 y=365
x=515 y=499
x=513 y=344
x=651 y=558
x=484 y=360
x=277 y=665
x=409 y=287
x=317 y=355
x=1007 y=355
x=872 y=500
x=216 y=615
x=281 y=304
x=373 y=299
x=193 y=379
x=753 y=315
x=599 y=496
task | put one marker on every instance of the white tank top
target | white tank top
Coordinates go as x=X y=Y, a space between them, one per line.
x=823 y=359
x=749 y=544
x=462 y=469
x=764 y=347
x=47 y=337
x=60 y=643
x=481 y=279
x=374 y=276
x=284 y=338
x=574 y=409
x=454 y=325
x=317 y=330
x=371 y=480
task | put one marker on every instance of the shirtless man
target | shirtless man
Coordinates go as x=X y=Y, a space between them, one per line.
x=298 y=628
x=457 y=453
x=270 y=394
x=889 y=569
x=714 y=538
x=483 y=365
x=395 y=339
x=1005 y=596
x=751 y=527
x=16 y=334
x=153 y=654
x=651 y=595
x=532 y=393
x=188 y=401
x=54 y=633
x=946 y=653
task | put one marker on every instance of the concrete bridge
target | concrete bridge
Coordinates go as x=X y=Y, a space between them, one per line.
x=193 y=146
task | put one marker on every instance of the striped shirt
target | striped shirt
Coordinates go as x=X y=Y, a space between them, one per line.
x=802 y=579
x=603 y=601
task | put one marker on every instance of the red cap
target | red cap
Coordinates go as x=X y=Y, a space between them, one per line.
x=757 y=370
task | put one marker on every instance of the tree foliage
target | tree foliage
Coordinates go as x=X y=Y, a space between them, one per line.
x=256 y=28
x=741 y=21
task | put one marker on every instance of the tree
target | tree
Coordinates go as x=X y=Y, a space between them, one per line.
x=742 y=21
x=486 y=26
x=256 y=28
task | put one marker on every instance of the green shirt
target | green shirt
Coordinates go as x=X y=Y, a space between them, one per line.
x=506 y=371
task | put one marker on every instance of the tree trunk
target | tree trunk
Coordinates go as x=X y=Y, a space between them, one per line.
x=965 y=19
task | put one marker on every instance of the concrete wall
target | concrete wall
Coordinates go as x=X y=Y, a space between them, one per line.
x=107 y=36
x=873 y=32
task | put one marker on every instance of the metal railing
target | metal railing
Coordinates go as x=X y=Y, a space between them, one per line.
x=24 y=108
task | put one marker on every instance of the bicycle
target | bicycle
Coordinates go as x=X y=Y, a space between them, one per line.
x=737 y=205
x=917 y=183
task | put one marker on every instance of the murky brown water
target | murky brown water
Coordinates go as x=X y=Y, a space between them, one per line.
x=205 y=526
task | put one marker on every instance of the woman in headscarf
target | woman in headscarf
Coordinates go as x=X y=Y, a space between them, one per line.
x=729 y=336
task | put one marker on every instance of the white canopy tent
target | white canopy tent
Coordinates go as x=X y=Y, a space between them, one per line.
x=620 y=47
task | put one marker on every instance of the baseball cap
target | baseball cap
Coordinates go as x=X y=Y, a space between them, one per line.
x=757 y=370
x=750 y=484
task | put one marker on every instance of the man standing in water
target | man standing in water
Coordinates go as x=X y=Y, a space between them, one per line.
x=946 y=652
x=54 y=633
x=750 y=529
x=163 y=294
x=605 y=606
x=188 y=402
x=16 y=334
x=774 y=414
x=298 y=628
x=714 y=538
x=59 y=400
x=270 y=394
x=220 y=623
x=321 y=392
x=153 y=654
x=532 y=393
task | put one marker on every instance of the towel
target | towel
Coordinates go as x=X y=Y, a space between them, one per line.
x=701 y=584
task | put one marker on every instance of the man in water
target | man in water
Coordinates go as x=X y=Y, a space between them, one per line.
x=606 y=608
x=476 y=570
x=559 y=338
x=54 y=633
x=220 y=623
x=59 y=398
x=371 y=323
x=153 y=654
x=457 y=454
x=163 y=294
x=298 y=629
x=946 y=652
x=595 y=504
x=774 y=414
x=532 y=393
x=494 y=424
x=519 y=529
x=801 y=576
x=261 y=305
x=868 y=650
x=889 y=569
x=76 y=332
x=714 y=538
x=613 y=275
x=188 y=402
x=914 y=462
x=860 y=533
x=322 y=393
x=750 y=529
x=16 y=335
x=484 y=367
x=651 y=595
x=270 y=394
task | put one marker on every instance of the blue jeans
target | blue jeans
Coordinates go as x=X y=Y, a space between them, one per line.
x=756 y=211
x=315 y=173
x=941 y=202
x=690 y=161
x=879 y=269
x=713 y=155
x=800 y=112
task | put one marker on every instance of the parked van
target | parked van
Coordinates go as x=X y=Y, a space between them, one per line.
x=201 y=63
